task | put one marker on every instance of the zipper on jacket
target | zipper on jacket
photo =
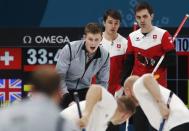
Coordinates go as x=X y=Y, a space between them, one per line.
x=86 y=67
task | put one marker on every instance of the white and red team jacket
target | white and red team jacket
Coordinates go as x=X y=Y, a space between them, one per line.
x=154 y=44
x=117 y=50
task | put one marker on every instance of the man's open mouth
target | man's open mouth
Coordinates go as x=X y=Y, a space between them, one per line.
x=92 y=48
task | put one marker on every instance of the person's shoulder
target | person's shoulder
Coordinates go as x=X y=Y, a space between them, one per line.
x=135 y=33
x=121 y=38
x=139 y=82
x=76 y=45
x=138 y=86
x=104 y=52
x=76 y=42
x=159 y=30
x=108 y=100
x=106 y=94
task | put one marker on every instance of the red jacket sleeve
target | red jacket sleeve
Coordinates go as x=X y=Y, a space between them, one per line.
x=167 y=42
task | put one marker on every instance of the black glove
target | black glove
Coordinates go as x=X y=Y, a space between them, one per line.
x=66 y=100
x=145 y=60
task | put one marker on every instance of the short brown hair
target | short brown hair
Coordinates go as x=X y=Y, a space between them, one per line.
x=144 y=5
x=126 y=104
x=93 y=28
x=45 y=80
x=112 y=13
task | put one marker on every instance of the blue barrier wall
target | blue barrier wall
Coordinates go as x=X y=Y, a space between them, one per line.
x=76 y=13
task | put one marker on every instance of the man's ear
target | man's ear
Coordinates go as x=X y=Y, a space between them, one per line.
x=103 y=23
x=152 y=15
x=127 y=115
x=84 y=36
x=101 y=38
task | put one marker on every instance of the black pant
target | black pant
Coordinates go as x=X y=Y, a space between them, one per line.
x=140 y=121
x=183 y=127
x=69 y=97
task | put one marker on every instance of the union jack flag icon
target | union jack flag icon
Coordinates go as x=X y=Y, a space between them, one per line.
x=10 y=90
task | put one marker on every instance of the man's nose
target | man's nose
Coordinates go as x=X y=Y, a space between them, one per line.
x=113 y=25
x=142 y=20
x=93 y=42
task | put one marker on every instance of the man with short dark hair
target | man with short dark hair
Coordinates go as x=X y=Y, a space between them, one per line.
x=116 y=45
x=79 y=61
x=145 y=47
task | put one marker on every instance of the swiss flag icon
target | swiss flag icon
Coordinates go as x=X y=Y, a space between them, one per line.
x=118 y=45
x=154 y=36
x=10 y=58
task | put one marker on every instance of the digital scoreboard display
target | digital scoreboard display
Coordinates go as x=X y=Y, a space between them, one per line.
x=22 y=49
x=182 y=45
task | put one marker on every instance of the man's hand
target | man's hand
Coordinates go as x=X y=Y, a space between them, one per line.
x=82 y=122
x=164 y=110
x=145 y=60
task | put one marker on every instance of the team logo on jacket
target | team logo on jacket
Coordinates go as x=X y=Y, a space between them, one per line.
x=118 y=45
x=154 y=37
x=137 y=39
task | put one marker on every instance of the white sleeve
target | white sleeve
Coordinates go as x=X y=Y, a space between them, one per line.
x=147 y=103
x=71 y=113
x=108 y=102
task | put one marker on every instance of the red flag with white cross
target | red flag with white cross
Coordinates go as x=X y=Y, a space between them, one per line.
x=10 y=58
